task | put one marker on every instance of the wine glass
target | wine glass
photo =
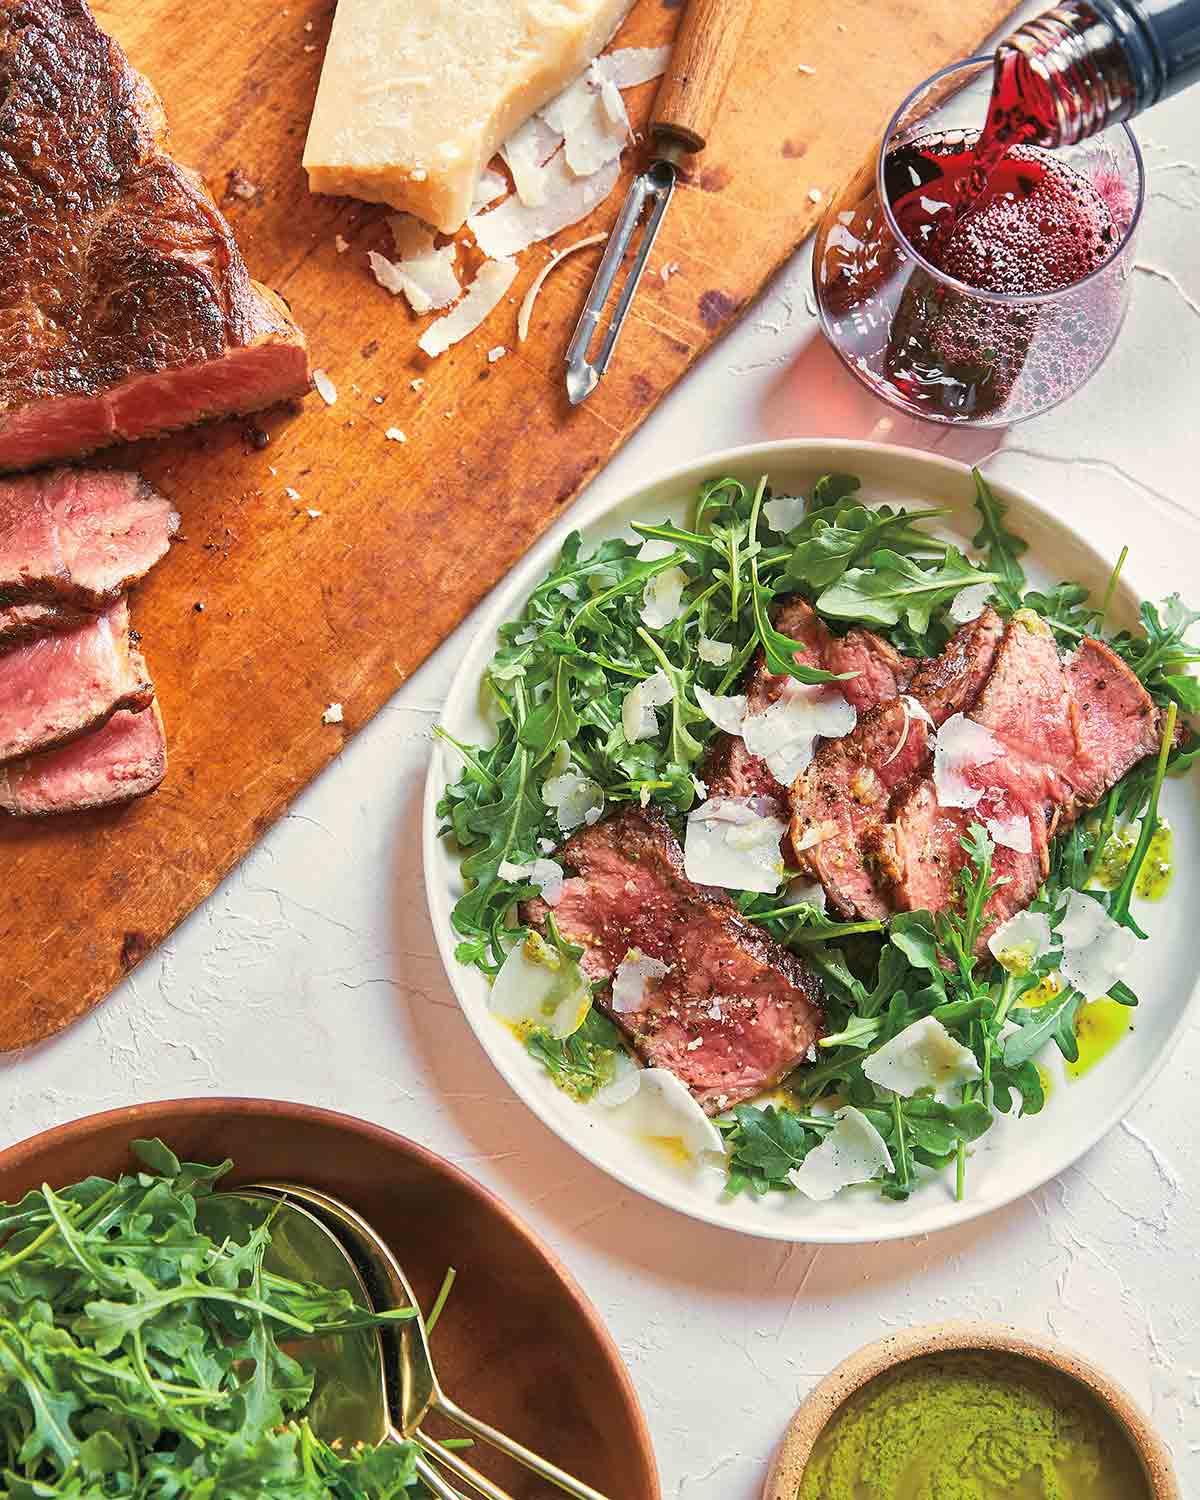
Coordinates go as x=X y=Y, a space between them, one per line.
x=1025 y=331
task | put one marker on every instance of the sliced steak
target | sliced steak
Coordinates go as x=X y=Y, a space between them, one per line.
x=79 y=537
x=919 y=852
x=735 y=1012
x=125 y=305
x=123 y=759
x=841 y=802
x=61 y=686
x=25 y=622
x=731 y=770
x=1069 y=732
x=1116 y=721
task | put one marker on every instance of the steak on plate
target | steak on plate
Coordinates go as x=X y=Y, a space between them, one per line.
x=123 y=759
x=61 y=686
x=735 y=1012
x=733 y=771
x=1069 y=732
x=125 y=306
x=840 y=803
x=79 y=537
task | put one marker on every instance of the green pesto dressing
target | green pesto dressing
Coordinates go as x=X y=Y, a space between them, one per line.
x=972 y=1427
x=1157 y=868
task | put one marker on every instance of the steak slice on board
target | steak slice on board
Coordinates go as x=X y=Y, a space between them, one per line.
x=125 y=306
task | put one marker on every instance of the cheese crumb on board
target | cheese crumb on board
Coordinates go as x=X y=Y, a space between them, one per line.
x=394 y=435
x=333 y=714
x=491 y=282
x=325 y=387
x=417 y=95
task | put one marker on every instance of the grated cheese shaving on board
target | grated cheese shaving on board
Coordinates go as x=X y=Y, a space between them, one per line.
x=525 y=153
x=629 y=66
x=491 y=282
x=525 y=311
x=503 y=232
x=428 y=281
x=490 y=187
x=325 y=387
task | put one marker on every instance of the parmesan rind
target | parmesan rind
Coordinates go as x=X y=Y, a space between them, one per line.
x=922 y=1056
x=417 y=95
x=852 y=1152
x=491 y=282
x=536 y=987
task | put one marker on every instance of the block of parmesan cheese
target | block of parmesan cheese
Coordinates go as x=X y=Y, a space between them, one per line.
x=417 y=95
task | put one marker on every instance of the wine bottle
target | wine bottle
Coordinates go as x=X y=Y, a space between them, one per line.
x=1088 y=64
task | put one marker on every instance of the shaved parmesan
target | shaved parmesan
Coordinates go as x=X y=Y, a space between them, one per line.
x=717 y=653
x=544 y=873
x=912 y=710
x=1096 y=950
x=630 y=980
x=1013 y=832
x=807 y=893
x=726 y=712
x=638 y=718
x=537 y=987
x=1018 y=943
x=622 y=1086
x=515 y=225
x=593 y=136
x=525 y=153
x=968 y=603
x=531 y=296
x=654 y=549
x=325 y=387
x=853 y=1151
x=410 y=236
x=491 y=282
x=730 y=843
x=568 y=108
x=663 y=597
x=490 y=187
x=427 y=280
x=614 y=105
x=662 y=1110
x=629 y=66
x=785 y=734
x=923 y=1056
x=575 y=798
x=784 y=512
x=962 y=745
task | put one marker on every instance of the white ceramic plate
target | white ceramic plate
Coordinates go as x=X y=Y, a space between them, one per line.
x=1016 y=1155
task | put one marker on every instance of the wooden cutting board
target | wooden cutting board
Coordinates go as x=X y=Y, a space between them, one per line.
x=265 y=614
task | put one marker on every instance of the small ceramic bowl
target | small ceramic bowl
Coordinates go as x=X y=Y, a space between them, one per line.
x=794 y=1451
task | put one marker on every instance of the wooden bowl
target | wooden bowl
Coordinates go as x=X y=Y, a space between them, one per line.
x=519 y=1344
x=791 y=1458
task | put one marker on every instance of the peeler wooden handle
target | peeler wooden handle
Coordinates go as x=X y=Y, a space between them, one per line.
x=700 y=65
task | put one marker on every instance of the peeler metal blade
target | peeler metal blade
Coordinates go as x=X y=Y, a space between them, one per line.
x=650 y=190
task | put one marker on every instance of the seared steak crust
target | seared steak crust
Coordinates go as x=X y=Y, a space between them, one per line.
x=735 y=1012
x=125 y=306
x=124 y=759
x=840 y=804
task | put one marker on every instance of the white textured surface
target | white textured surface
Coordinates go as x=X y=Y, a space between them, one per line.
x=312 y=975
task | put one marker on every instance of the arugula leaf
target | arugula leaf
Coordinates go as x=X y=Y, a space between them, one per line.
x=764 y=1145
x=824 y=548
x=999 y=545
x=582 y=1063
x=894 y=587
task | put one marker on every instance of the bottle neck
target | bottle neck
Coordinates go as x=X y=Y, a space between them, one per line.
x=1088 y=64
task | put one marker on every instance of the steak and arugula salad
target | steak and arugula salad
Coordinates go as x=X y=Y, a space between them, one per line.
x=805 y=830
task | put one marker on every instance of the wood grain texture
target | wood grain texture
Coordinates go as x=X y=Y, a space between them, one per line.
x=264 y=614
x=701 y=66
